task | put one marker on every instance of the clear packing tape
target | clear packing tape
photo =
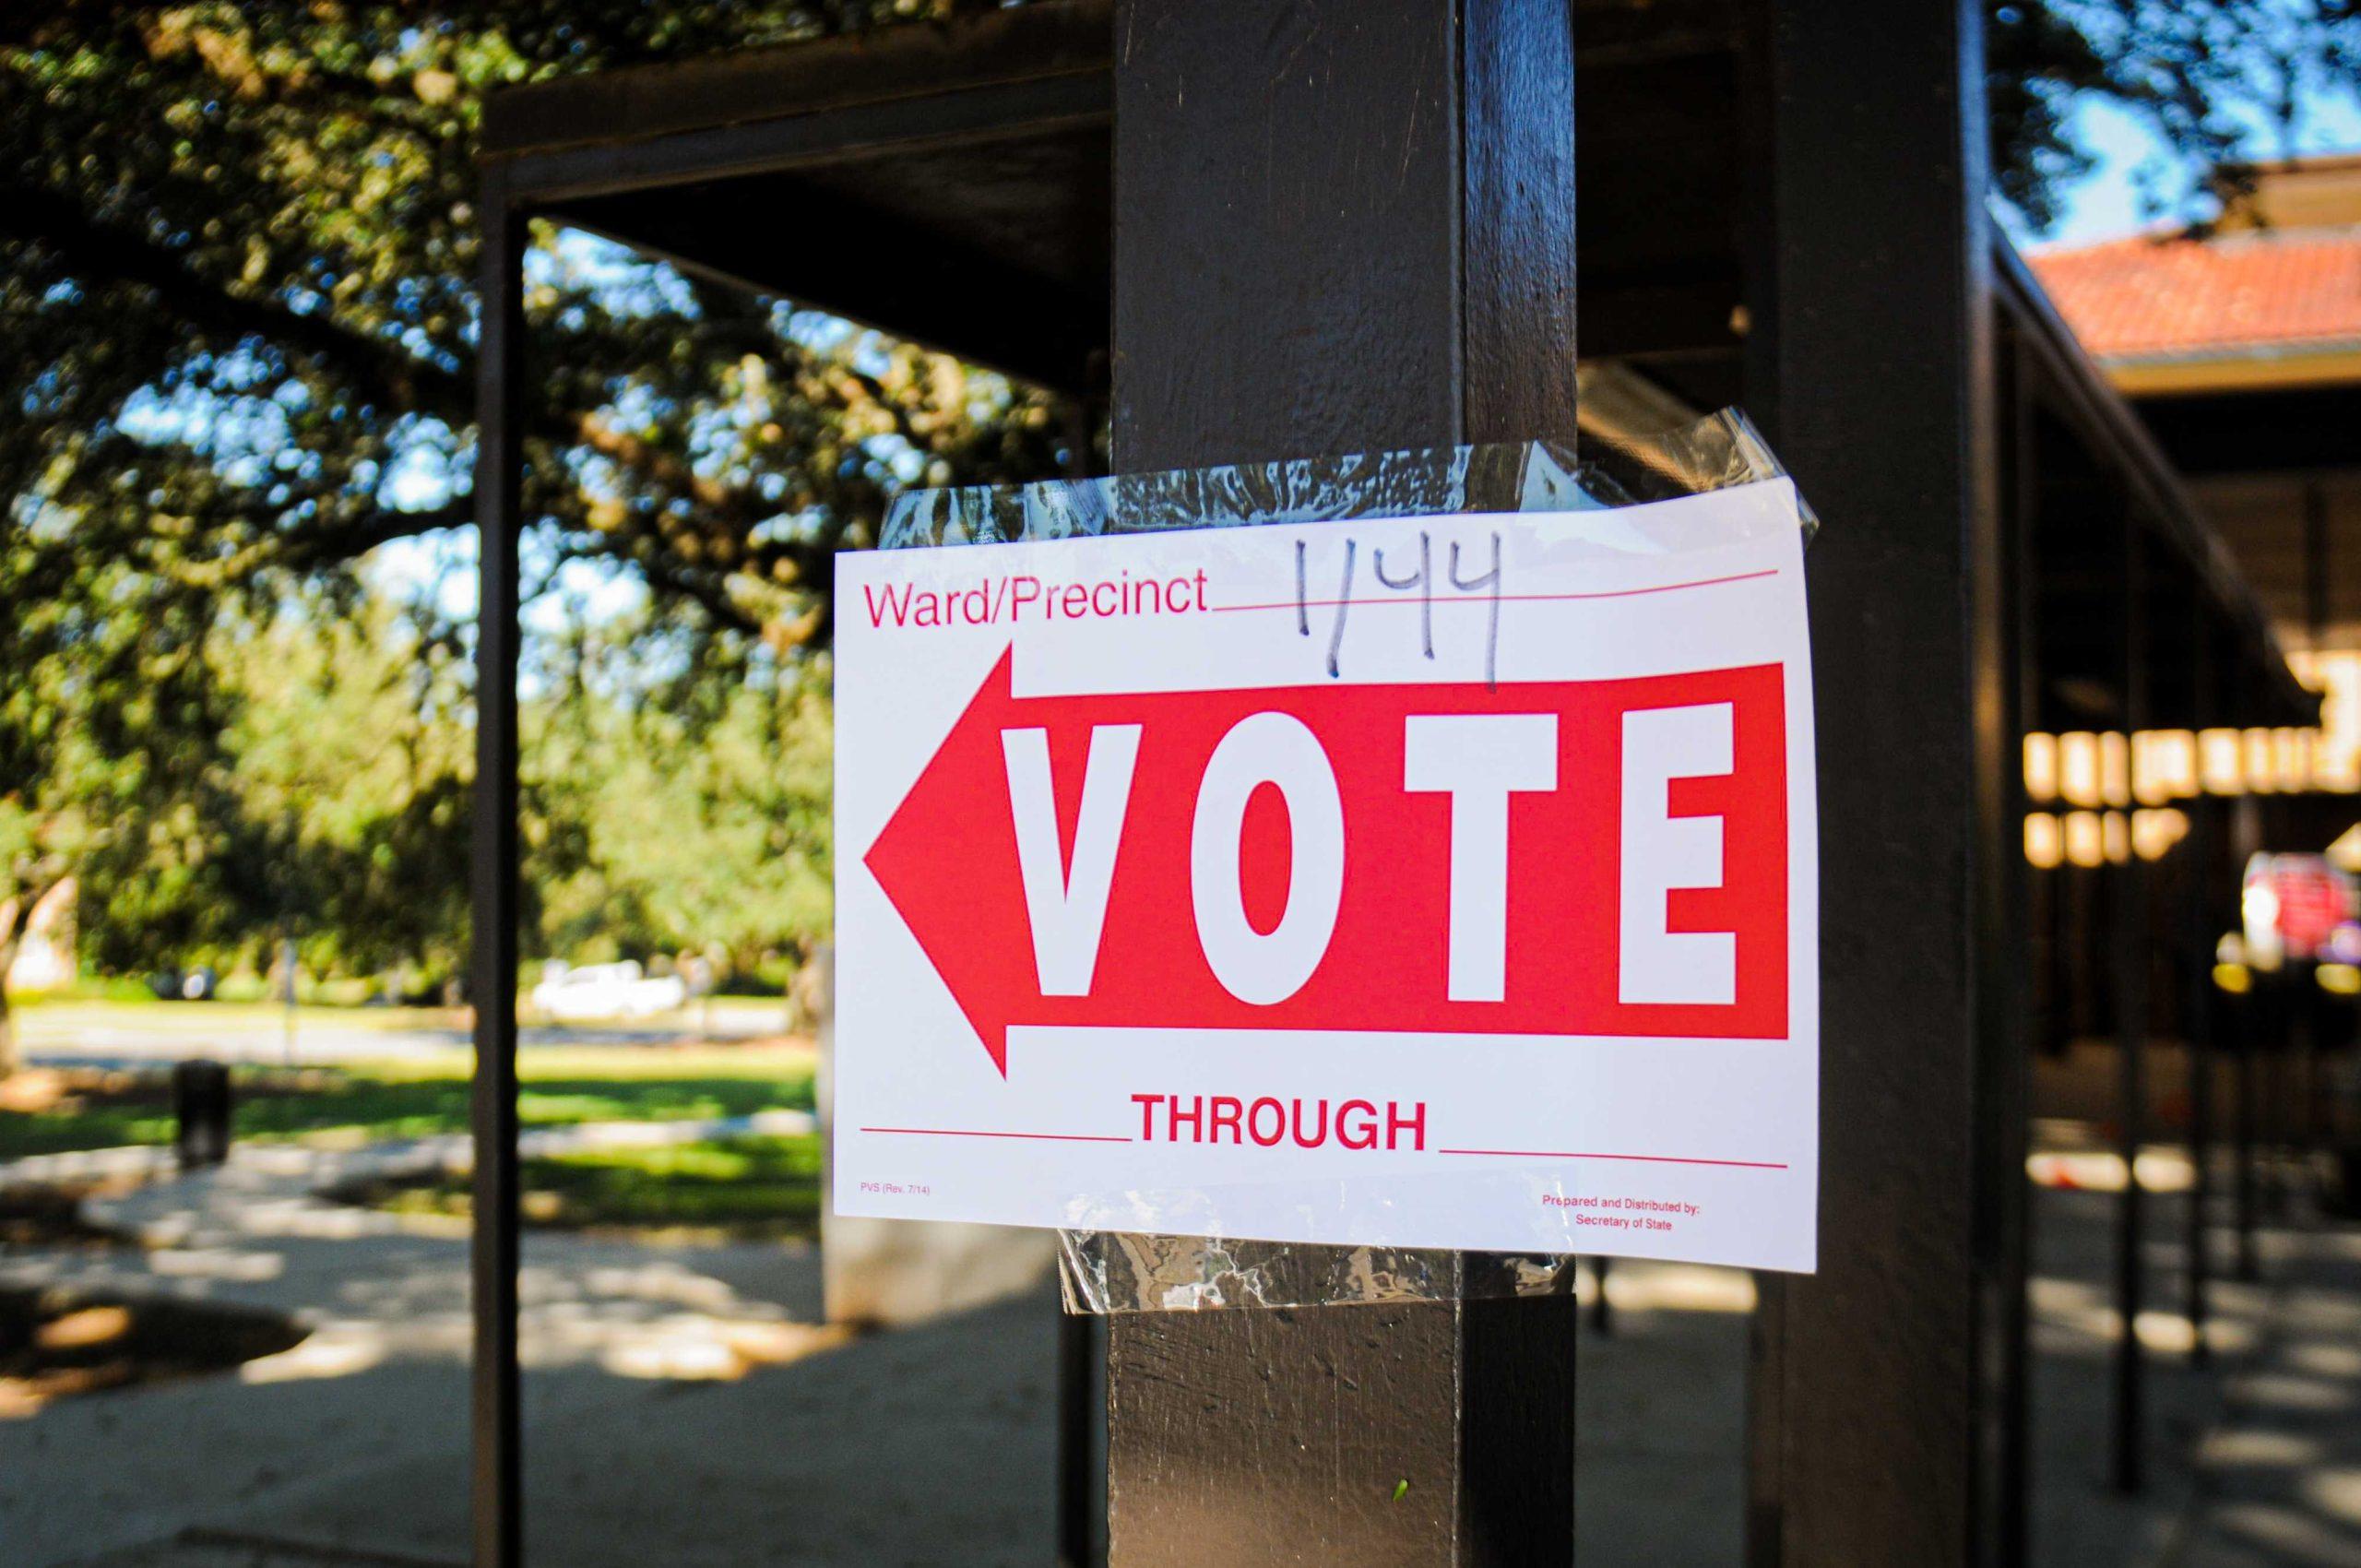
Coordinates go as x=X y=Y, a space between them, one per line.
x=1103 y=1271
x=1717 y=452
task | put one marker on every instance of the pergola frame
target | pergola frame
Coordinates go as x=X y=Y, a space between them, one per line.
x=1887 y=1394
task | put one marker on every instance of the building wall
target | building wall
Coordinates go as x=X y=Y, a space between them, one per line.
x=45 y=961
x=2311 y=193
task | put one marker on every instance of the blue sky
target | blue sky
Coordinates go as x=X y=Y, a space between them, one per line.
x=2106 y=204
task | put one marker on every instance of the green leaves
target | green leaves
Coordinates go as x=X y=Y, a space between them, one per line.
x=249 y=207
x=2215 y=81
x=237 y=333
x=676 y=804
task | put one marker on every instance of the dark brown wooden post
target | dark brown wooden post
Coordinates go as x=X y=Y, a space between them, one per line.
x=2131 y=944
x=2202 y=1014
x=491 y=973
x=2246 y=836
x=2278 y=1065
x=1341 y=228
x=1873 y=1409
x=2004 y=1126
x=2306 y=1132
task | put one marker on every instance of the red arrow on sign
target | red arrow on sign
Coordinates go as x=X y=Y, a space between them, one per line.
x=1192 y=913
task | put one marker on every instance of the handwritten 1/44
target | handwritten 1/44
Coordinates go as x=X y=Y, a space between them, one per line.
x=1422 y=581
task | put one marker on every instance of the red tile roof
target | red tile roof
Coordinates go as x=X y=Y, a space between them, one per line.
x=2249 y=293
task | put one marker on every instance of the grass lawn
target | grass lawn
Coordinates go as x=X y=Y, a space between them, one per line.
x=125 y=1004
x=412 y=1098
x=64 y=1022
x=747 y=1188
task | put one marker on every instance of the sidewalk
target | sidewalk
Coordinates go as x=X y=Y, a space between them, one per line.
x=2253 y=1461
x=684 y=1405
x=2280 y=1481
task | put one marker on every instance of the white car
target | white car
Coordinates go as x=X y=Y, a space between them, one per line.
x=607 y=990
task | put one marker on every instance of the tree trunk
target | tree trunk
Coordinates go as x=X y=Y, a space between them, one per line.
x=16 y=920
x=9 y=1061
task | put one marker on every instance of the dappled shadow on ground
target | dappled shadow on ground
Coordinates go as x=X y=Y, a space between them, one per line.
x=49 y=1213
x=2280 y=1481
x=54 y=1343
x=2252 y=1458
x=2078 y=1519
x=677 y=1397
x=928 y=1446
x=683 y=1404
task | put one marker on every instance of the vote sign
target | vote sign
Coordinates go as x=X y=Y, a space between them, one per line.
x=1443 y=881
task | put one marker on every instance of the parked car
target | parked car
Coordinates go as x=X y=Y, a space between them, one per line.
x=607 y=990
x=184 y=985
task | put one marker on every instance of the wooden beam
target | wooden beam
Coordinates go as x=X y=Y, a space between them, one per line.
x=2246 y=839
x=878 y=268
x=745 y=86
x=950 y=121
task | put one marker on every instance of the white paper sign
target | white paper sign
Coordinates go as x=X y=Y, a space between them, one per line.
x=1439 y=882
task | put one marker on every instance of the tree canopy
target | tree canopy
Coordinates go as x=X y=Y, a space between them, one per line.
x=2220 y=83
x=238 y=321
x=237 y=325
x=245 y=236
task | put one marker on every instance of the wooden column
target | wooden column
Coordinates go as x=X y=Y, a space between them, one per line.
x=2278 y=1055
x=2246 y=836
x=2004 y=1125
x=2130 y=945
x=495 y=1506
x=1338 y=229
x=1872 y=1404
x=2306 y=1123
x=2203 y=1012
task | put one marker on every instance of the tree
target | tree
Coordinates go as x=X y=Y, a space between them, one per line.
x=259 y=214
x=282 y=197
x=353 y=754
x=674 y=804
x=109 y=738
x=238 y=325
x=2220 y=82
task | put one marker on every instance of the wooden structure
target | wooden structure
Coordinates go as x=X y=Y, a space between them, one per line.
x=1272 y=230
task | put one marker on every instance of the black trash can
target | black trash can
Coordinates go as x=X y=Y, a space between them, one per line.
x=201 y=1102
